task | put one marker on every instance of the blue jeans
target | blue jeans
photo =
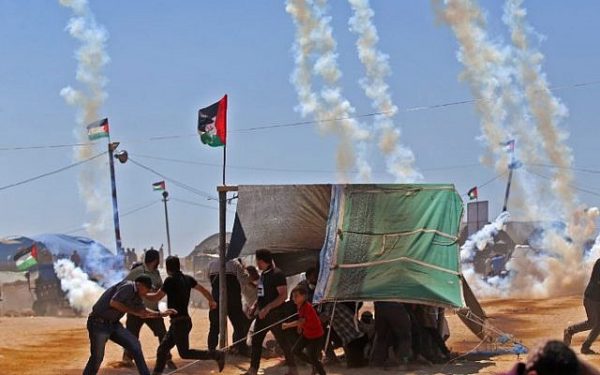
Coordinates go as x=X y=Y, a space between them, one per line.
x=102 y=331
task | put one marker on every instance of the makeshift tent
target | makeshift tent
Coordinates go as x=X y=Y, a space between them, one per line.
x=288 y=220
x=393 y=243
x=376 y=242
x=58 y=244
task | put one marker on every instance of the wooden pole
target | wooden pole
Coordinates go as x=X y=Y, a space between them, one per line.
x=222 y=261
x=223 y=190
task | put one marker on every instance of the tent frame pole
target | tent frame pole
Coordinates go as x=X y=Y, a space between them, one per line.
x=223 y=190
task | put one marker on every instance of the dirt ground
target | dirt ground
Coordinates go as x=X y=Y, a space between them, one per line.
x=60 y=345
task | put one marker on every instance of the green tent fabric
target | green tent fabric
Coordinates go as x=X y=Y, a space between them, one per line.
x=393 y=243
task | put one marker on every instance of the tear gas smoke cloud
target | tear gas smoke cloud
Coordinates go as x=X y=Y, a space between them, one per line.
x=106 y=268
x=516 y=102
x=315 y=55
x=400 y=159
x=91 y=57
x=81 y=292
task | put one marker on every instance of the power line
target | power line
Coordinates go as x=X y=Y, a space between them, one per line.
x=294 y=124
x=197 y=204
x=570 y=185
x=173 y=181
x=31 y=179
x=329 y=171
x=125 y=214
x=585 y=170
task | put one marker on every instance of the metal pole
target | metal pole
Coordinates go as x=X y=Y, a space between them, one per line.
x=222 y=277
x=224 y=162
x=112 y=146
x=165 y=195
x=510 y=174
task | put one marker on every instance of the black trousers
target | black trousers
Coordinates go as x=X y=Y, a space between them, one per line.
x=592 y=324
x=311 y=355
x=179 y=335
x=393 y=319
x=134 y=325
x=239 y=321
x=257 y=340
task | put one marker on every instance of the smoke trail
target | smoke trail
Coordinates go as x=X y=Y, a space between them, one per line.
x=400 y=160
x=81 y=292
x=107 y=268
x=484 y=63
x=314 y=41
x=485 y=236
x=91 y=57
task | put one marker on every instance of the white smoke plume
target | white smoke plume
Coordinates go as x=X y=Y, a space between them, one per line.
x=106 y=268
x=91 y=58
x=81 y=292
x=514 y=99
x=316 y=56
x=400 y=159
x=485 y=236
x=484 y=63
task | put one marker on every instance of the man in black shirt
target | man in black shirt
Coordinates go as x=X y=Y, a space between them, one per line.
x=177 y=288
x=272 y=293
x=103 y=323
x=591 y=302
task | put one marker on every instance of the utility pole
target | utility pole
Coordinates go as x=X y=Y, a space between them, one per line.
x=112 y=146
x=165 y=195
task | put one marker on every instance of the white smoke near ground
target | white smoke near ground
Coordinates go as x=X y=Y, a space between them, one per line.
x=91 y=58
x=399 y=159
x=482 y=238
x=81 y=292
x=315 y=55
x=105 y=267
x=514 y=100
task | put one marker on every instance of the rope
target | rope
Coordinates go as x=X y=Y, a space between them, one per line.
x=330 y=327
x=226 y=348
x=379 y=262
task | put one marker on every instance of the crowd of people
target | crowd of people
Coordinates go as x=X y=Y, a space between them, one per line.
x=396 y=335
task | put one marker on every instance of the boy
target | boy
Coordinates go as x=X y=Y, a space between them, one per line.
x=310 y=328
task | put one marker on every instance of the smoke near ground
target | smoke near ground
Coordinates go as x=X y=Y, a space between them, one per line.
x=515 y=102
x=399 y=159
x=81 y=292
x=91 y=58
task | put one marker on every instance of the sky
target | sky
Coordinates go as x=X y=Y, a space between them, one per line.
x=168 y=59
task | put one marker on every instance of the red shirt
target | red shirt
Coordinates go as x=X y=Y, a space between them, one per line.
x=312 y=327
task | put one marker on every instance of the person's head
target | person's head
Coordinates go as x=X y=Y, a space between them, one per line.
x=74 y=251
x=253 y=272
x=366 y=317
x=299 y=295
x=172 y=264
x=264 y=259
x=312 y=275
x=553 y=358
x=143 y=284
x=151 y=259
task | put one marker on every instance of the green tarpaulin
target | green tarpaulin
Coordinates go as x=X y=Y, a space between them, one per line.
x=393 y=242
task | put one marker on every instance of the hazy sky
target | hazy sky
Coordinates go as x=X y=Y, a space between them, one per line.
x=170 y=58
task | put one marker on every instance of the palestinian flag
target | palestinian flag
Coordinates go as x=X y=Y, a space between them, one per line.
x=159 y=186
x=98 y=129
x=26 y=258
x=473 y=193
x=212 y=123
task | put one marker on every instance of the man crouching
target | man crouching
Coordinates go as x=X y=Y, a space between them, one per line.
x=103 y=323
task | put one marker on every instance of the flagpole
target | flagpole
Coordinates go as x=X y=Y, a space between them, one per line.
x=224 y=162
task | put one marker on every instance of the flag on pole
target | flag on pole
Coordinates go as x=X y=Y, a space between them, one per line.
x=98 y=129
x=212 y=123
x=159 y=186
x=26 y=258
x=473 y=193
x=510 y=145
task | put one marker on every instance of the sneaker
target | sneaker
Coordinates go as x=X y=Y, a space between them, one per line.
x=588 y=351
x=171 y=365
x=220 y=358
x=567 y=337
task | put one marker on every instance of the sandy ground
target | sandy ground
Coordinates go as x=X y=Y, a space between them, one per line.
x=60 y=345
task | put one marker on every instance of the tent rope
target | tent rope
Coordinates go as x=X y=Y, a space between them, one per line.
x=386 y=261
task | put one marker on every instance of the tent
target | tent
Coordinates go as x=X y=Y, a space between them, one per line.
x=60 y=245
x=393 y=242
x=373 y=242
